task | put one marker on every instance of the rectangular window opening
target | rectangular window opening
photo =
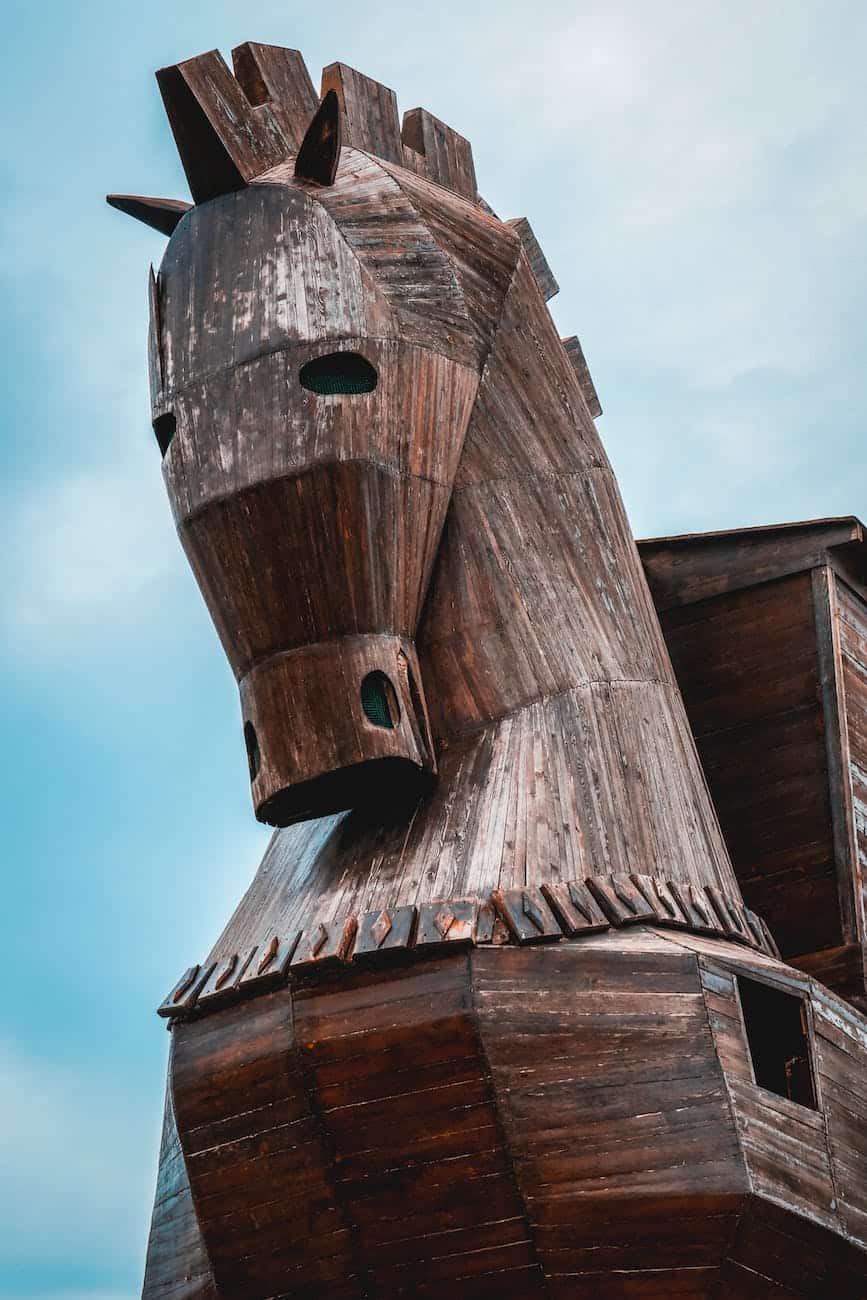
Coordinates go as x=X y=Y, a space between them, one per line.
x=778 y=1037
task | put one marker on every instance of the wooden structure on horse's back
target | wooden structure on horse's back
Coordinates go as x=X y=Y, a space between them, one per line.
x=493 y=1018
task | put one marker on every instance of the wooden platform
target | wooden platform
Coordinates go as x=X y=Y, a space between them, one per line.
x=576 y=1120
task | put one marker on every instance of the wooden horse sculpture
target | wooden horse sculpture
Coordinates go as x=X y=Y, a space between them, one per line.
x=492 y=1018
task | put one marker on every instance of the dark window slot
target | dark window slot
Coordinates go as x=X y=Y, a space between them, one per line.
x=338 y=372
x=778 y=1037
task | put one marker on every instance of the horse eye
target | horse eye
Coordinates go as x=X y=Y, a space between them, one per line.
x=338 y=372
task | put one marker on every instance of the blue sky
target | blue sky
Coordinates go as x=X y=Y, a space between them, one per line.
x=697 y=175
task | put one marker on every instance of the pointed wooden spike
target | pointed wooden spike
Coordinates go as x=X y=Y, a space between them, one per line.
x=320 y=152
x=369 y=109
x=277 y=76
x=538 y=262
x=223 y=140
x=162 y=214
x=575 y=353
x=155 y=334
x=268 y=955
x=448 y=156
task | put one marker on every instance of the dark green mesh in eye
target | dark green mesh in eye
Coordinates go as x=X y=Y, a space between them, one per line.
x=379 y=700
x=339 y=372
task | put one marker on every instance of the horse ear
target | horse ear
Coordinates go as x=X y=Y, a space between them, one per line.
x=320 y=149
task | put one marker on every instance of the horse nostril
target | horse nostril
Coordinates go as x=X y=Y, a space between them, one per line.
x=254 y=754
x=164 y=427
x=379 y=700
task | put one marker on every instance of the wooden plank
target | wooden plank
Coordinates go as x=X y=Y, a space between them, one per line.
x=269 y=964
x=383 y=933
x=448 y=921
x=320 y=149
x=277 y=76
x=160 y=214
x=575 y=353
x=825 y=595
x=620 y=899
x=222 y=139
x=575 y=908
x=369 y=109
x=184 y=993
x=527 y=914
x=697 y=566
x=448 y=156
x=542 y=273
x=324 y=945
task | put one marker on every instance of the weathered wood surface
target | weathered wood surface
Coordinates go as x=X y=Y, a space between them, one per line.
x=178 y=1266
x=772 y=672
x=851 y=628
x=548 y=286
x=369 y=111
x=530 y=914
x=320 y=149
x=573 y=1121
x=441 y=1047
x=447 y=156
x=575 y=353
x=161 y=214
x=696 y=566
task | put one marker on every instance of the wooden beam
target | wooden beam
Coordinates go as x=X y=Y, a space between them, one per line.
x=223 y=140
x=273 y=75
x=538 y=262
x=160 y=214
x=575 y=353
x=370 y=120
x=448 y=155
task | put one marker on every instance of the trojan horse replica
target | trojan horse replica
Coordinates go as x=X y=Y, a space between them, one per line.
x=493 y=1018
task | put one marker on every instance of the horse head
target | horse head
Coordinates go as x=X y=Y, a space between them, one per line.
x=385 y=472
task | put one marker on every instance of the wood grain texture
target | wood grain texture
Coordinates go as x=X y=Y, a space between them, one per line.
x=696 y=566
x=851 y=626
x=448 y=156
x=572 y=1120
x=274 y=76
x=772 y=674
x=575 y=353
x=177 y=1265
x=369 y=111
x=161 y=214
x=542 y=272
x=480 y=1033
